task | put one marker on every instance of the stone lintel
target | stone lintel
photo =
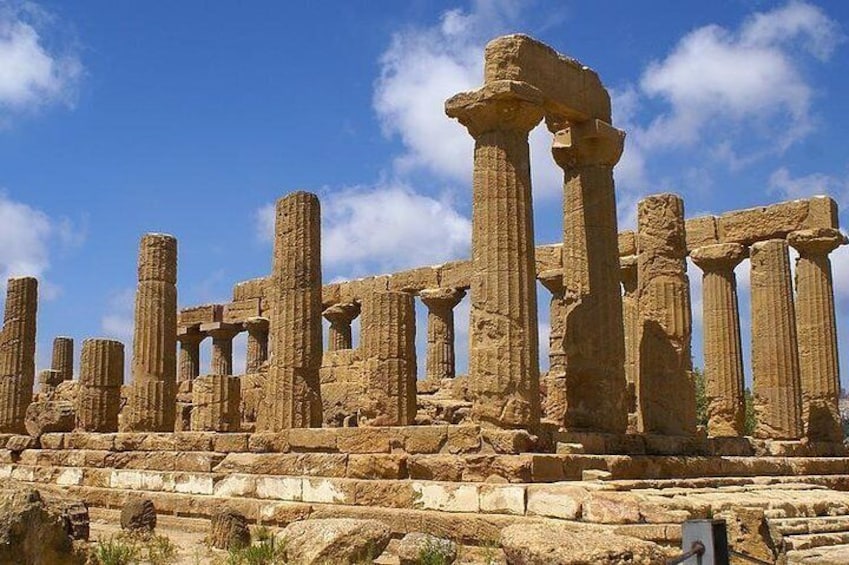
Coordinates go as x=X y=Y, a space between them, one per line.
x=220 y=329
x=202 y=314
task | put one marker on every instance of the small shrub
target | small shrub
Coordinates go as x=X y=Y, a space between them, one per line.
x=751 y=419
x=160 y=550
x=265 y=552
x=116 y=551
x=435 y=551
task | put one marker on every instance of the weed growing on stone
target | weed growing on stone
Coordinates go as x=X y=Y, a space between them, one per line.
x=116 y=551
x=435 y=551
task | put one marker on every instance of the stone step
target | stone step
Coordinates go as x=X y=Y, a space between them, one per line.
x=810 y=541
x=812 y=525
x=824 y=555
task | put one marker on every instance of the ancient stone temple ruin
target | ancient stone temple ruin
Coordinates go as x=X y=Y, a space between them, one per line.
x=605 y=442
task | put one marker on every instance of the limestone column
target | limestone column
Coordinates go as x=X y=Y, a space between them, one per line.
x=817 y=333
x=189 y=362
x=101 y=377
x=292 y=394
x=723 y=351
x=63 y=357
x=17 y=353
x=775 y=357
x=503 y=333
x=389 y=359
x=221 y=362
x=215 y=404
x=593 y=341
x=440 y=304
x=48 y=380
x=631 y=327
x=665 y=388
x=151 y=404
x=340 y=317
x=554 y=405
x=257 y=353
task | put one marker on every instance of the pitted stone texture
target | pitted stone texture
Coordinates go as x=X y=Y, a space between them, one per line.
x=723 y=350
x=666 y=393
x=292 y=392
x=49 y=417
x=215 y=404
x=152 y=399
x=48 y=380
x=817 y=333
x=593 y=334
x=389 y=359
x=257 y=346
x=138 y=515
x=17 y=353
x=63 y=357
x=329 y=540
x=503 y=336
x=101 y=377
x=440 y=304
x=229 y=530
x=775 y=360
x=340 y=317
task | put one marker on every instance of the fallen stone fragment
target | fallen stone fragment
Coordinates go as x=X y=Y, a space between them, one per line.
x=138 y=515
x=334 y=540
x=229 y=530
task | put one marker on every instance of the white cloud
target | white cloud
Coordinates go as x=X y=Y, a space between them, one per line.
x=387 y=227
x=840 y=271
x=421 y=69
x=31 y=74
x=117 y=322
x=815 y=184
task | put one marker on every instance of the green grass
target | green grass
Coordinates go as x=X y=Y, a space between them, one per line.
x=116 y=551
x=264 y=552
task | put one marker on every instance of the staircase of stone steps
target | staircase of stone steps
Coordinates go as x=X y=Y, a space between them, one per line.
x=820 y=540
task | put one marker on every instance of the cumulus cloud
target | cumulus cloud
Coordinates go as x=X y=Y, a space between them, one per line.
x=424 y=66
x=117 y=321
x=388 y=227
x=34 y=72
x=781 y=182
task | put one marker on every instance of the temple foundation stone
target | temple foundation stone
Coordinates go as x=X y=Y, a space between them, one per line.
x=723 y=350
x=816 y=326
x=775 y=357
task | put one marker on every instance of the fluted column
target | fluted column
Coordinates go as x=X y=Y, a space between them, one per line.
x=152 y=399
x=257 y=348
x=440 y=304
x=215 y=404
x=221 y=361
x=340 y=317
x=817 y=333
x=665 y=388
x=389 y=359
x=292 y=397
x=63 y=357
x=775 y=357
x=17 y=353
x=554 y=405
x=503 y=333
x=593 y=338
x=723 y=351
x=631 y=331
x=189 y=362
x=101 y=377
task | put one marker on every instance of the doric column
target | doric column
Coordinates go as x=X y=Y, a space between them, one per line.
x=388 y=329
x=292 y=394
x=817 y=333
x=152 y=400
x=594 y=343
x=17 y=353
x=257 y=349
x=63 y=357
x=554 y=384
x=340 y=317
x=189 y=363
x=723 y=350
x=631 y=330
x=101 y=377
x=440 y=304
x=222 y=334
x=775 y=357
x=215 y=404
x=503 y=334
x=665 y=389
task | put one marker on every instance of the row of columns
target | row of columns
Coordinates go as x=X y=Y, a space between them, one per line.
x=222 y=335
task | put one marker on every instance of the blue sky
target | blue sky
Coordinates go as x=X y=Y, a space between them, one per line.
x=119 y=118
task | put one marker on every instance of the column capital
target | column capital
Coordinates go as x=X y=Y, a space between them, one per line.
x=436 y=298
x=500 y=105
x=220 y=330
x=719 y=256
x=821 y=241
x=343 y=312
x=628 y=271
x=552 y=280
x=190 y=335
x=256 y=324
x=590 y=143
